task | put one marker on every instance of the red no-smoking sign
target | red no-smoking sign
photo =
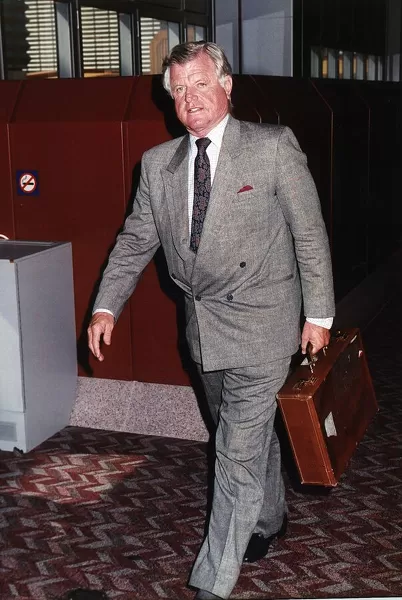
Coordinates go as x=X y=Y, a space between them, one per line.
x=27 y=183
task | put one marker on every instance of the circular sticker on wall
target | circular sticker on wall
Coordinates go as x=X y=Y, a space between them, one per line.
x=27 y=183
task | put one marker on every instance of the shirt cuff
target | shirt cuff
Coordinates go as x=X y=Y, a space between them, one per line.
x=109 y=312
x=327 y=323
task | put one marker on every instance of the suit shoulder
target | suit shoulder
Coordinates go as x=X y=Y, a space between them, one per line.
x=270 y=136
x=257 y=127
x=263 y=131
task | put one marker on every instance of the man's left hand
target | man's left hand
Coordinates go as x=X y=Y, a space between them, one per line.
x=316 y=335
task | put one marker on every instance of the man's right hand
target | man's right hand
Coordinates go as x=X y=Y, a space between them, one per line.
x=101 y=325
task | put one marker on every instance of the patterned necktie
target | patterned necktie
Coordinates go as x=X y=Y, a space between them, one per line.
x=202 y=189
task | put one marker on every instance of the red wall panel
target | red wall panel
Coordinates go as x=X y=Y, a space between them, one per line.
x=70 y=132
x=350 y=153
x=9 y=92
x=384 y=209
x=249 y=102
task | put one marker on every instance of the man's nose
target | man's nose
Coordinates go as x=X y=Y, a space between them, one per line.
x=190 y=94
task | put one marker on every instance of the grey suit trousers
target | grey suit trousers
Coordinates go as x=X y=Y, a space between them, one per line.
x=249 y=493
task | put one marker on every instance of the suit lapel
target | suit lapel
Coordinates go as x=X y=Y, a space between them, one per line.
x=175 y=179
x=221 y=199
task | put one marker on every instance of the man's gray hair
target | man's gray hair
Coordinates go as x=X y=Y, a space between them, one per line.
x=183 y=53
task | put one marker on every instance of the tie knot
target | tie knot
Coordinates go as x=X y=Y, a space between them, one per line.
x=202 y=144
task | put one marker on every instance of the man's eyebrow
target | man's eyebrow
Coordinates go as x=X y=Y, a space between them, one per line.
x=199 y=77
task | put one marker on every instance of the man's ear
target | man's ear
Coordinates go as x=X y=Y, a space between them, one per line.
x=228 y=84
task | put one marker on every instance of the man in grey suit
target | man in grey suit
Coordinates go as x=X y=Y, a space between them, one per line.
x=236 y=211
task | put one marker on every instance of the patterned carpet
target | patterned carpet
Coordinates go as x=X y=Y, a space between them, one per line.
x=125 y=513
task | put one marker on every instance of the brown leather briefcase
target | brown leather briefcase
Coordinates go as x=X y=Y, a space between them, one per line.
x=326 y=406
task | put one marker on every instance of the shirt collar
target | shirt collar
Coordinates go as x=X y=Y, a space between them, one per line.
x=215 y=135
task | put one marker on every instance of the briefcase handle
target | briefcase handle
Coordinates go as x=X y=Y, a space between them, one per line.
x=336 y=336
x=313 y=358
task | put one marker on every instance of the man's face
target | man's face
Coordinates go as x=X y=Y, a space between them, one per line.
x=200 y=100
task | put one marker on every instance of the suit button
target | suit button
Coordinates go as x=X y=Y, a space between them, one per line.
x=242 y=264
x=229 y=297
x=198 y=298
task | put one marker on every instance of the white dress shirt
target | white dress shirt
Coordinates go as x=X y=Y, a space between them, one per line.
x=216 y=136
x=213 y=150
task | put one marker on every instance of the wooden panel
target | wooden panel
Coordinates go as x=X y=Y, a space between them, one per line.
x=249 y=102
x=9 y=91
x=350 y=183
x=384 y=208
x=82 y=197
x=57 y=100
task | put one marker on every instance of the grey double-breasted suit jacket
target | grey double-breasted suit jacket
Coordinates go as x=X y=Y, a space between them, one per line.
x=262 y=251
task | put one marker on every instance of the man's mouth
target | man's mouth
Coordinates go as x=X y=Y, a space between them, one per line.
x=193 y=110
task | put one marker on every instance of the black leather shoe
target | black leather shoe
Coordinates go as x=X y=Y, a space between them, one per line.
x=258 y=545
